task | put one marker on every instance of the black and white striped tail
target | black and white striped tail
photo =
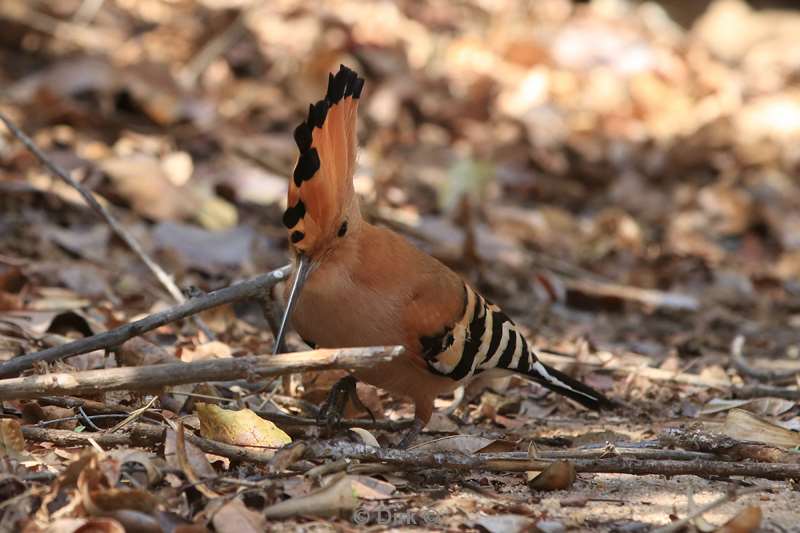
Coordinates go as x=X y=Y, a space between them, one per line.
x=485 y=339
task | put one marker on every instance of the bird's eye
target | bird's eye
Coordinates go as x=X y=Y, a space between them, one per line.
x=342 y=229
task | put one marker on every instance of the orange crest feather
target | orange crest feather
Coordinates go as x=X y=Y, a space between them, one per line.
x=321 y=187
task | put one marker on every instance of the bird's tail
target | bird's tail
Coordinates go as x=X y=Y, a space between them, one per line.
x=561 y=383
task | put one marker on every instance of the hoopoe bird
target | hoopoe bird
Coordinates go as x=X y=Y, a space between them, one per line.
x=356 y=284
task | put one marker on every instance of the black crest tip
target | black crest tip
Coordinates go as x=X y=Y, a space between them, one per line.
x=302 y=136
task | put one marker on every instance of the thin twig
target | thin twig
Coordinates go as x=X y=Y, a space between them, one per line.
x=761 y=374
x=285 y=420
x=214 y=48
x=164 y=278
x=153 y=377
x=115 y=337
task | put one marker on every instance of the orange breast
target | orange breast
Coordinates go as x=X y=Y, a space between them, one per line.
x=378 y=289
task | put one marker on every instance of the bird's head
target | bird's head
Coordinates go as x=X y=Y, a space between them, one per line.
x=323 y=212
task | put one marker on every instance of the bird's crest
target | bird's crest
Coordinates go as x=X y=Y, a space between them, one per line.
x=321 y=188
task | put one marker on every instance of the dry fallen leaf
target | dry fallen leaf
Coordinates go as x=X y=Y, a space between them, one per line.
x=336 y=497
x=558 y=476
x=242 y=428
x=366 y=437
x=235 y=517
x=369 y=488
x=743 y=425
x=747 y=520
x=12 y=443
x=466 y=444
x=85 y=525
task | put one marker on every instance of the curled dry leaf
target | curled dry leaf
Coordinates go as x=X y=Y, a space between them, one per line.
x=742 y=425
x=558 y=476
x=366 y=437
x=335 y=498
x=747 y=520
x=287 y=456
x=147 y=460
x=242 y=428
x=100 y=495
x=186 y=466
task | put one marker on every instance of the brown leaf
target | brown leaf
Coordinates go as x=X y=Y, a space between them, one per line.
x=747 y=520
x=746 y=426
x=338 y=496
x=85 y=525
x=99 y=494
x=466 y=444
x=558 y=476
x=183 y=461
x=235 y=517
x=12 y=443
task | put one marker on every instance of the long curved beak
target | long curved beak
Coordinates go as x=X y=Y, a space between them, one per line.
x=303 y=268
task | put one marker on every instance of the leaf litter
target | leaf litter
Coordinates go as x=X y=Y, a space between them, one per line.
x=618 y=176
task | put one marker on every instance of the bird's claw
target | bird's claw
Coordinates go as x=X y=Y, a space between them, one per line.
x=332 y=411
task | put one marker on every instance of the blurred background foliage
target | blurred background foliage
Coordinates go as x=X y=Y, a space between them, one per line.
x=531 y=145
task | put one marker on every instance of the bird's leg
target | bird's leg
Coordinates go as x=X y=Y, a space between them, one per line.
x=412 y=434
x=331 y=412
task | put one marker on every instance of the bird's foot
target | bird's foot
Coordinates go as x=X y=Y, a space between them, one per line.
x=331 y=412
x=412 y=434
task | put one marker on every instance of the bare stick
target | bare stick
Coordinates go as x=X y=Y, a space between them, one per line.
x=284 y=420
x=213 y=49
x=153 y=377
x=761 y=374
x=143 y=435
x=410 y=460
x=763 y=391
x=723 y=446
x=164 y=278
x=281 y=419
x=115 y=337
x=151 y=435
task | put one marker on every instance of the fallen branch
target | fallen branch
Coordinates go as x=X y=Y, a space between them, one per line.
x=284 y=420
x=145 y=435
x=151 y=435
x=761 y=374
x=153 y=377
x=281 y=419
x=165 y=279
x=110 y=339
x=698 y=440
x=410 y=460
x=763 y=391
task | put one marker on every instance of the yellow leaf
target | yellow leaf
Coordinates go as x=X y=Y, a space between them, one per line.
x=243 y=428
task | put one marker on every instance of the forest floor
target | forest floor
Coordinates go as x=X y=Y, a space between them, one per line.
x=624 y=187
